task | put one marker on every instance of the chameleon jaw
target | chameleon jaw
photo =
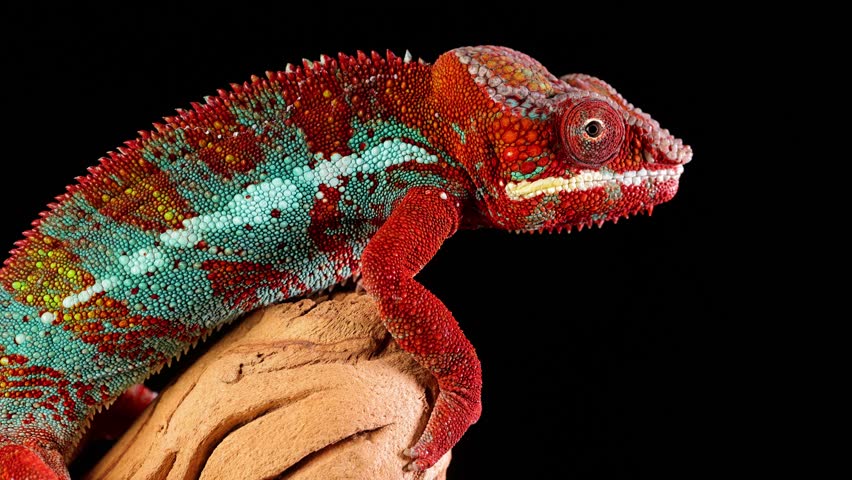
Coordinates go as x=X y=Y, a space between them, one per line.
x=588 y=179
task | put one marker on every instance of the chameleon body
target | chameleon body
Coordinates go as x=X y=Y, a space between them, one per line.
x=286 y=185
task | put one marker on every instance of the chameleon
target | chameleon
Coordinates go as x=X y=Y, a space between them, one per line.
x=359 y=166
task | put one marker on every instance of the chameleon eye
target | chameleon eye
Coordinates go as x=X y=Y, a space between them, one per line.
x=592 y=132
x=593 y=128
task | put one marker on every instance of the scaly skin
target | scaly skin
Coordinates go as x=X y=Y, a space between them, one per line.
x=287 y=185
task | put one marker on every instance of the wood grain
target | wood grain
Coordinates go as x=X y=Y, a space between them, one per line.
x=312 y=389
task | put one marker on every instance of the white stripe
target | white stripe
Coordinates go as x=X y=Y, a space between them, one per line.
x=588 y=179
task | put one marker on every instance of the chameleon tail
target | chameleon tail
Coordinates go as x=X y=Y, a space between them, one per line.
x=39 y=404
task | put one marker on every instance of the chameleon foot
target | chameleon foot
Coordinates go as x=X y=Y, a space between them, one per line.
x=452 y=415
x=22 y=463
x=420 y=462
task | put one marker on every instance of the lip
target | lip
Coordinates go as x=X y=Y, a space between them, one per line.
x=588 y=179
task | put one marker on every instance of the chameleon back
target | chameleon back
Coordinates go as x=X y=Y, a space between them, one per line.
x=246 y=200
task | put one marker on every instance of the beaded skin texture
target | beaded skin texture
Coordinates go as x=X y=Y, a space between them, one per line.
x=286 y=185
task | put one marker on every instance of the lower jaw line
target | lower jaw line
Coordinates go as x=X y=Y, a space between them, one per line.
x=588 y=179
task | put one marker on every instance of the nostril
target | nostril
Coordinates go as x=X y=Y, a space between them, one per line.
x=685 y=155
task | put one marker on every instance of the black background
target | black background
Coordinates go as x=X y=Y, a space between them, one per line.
x=598 y=347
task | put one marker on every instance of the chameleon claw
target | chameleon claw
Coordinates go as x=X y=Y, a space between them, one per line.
x=416 y=464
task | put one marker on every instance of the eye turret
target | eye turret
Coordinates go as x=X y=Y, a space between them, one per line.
x=592 y=132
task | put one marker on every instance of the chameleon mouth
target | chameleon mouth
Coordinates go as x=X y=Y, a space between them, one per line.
x=588 y=179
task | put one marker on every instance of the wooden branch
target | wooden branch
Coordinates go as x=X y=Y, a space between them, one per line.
x=312 y=389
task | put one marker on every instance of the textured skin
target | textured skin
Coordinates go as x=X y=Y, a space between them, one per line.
x=284 y=186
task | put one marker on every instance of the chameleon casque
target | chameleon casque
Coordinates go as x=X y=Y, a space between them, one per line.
x=283 y=186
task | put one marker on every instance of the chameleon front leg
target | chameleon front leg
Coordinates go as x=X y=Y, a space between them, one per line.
x=419 y=322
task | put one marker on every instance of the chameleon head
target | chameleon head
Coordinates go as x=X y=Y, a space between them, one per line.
x=564 y=152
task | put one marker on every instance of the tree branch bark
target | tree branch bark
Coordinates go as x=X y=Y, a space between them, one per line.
x=311 y=389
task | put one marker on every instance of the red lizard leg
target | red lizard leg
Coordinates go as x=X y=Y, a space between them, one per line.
x=419 y=321
x=24 y=463
x=33 y=461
